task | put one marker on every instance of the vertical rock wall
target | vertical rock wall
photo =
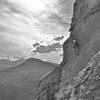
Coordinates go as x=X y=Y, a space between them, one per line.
x=82 y=71
x=85 y=27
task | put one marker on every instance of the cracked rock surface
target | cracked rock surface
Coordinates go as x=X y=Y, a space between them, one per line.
x=81 y=79
x=86 y=85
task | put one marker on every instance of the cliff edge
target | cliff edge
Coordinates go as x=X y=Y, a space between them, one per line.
x=85 y=28
x=81 y=58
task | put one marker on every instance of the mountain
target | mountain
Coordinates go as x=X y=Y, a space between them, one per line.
x=31 y=66
x=20 y=82
x=5 y=63
x=86 y=84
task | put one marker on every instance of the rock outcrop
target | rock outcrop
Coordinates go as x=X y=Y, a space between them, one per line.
x=86 y=85
x=81 y=61
x=85 y=27
x=82 y=75
x=49 y=85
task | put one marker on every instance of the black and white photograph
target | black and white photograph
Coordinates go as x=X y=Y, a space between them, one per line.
x=49 y=49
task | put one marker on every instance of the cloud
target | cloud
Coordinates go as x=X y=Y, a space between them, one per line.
x=66 y=9
x=36 y=44
x=61 y=54
x=10 y=7
x=55 y=18
x=49 y=48
x=22 y=29
x=58 y=38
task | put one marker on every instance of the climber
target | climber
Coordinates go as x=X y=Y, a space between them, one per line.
x=76 y=46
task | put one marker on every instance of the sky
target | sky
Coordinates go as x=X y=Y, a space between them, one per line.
x=34 y=28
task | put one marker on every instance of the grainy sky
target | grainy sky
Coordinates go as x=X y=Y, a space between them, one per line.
x=34 y=28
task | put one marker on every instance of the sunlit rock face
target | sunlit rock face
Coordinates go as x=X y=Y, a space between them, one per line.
x=81 y=77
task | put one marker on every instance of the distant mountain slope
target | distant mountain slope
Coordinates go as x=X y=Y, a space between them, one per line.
x=21 y=81
x=35 y=67
x=5 y=63
x=55 y=64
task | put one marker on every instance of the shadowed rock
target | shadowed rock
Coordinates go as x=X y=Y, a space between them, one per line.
x=86 y=85
x=81 y=72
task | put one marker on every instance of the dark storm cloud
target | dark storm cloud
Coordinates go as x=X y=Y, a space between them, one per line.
x=48 y=49
x=59 y=38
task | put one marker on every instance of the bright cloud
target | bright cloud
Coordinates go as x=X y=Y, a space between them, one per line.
x=37 y=6
x=26 y=22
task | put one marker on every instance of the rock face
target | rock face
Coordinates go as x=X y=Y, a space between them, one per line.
x=82 y=71
x=86 y=85
x=49 y=85
x=85 y=27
